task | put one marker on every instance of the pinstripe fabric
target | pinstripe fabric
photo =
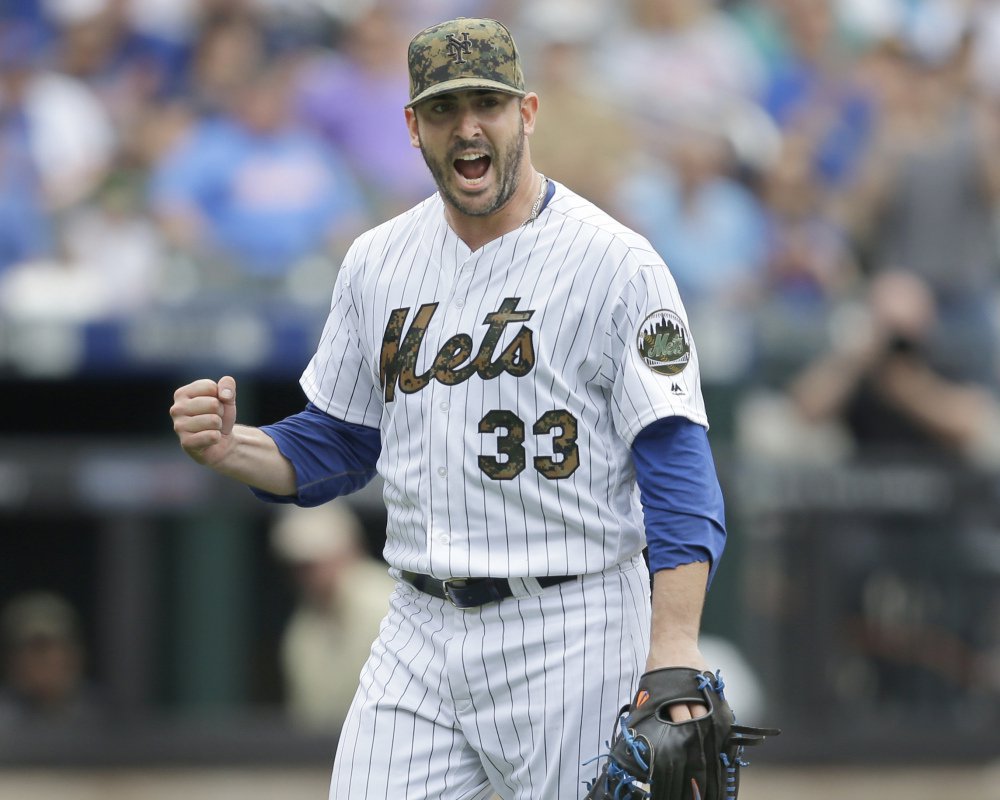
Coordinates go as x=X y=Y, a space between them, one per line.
x=509 y=698
x=582 y=285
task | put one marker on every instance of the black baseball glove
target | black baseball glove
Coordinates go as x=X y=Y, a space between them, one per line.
x=652 y=758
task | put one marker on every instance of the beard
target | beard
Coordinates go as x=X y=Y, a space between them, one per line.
x=507 y=166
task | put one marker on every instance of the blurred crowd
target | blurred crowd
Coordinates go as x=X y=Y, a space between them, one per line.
x=43 y=676
x=778 y=153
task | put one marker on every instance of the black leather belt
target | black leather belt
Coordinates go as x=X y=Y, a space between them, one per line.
x=472 y=592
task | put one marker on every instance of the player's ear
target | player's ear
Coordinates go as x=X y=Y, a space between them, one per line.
x=414 y=129
x=529 y=111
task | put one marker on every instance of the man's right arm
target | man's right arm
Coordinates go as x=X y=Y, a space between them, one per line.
x=307 y=458
x=204 y=415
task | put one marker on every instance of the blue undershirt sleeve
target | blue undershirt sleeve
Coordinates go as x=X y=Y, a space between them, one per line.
x=331 y=457
x=681 y=498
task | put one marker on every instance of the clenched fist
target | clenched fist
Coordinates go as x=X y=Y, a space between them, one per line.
x=204 y=413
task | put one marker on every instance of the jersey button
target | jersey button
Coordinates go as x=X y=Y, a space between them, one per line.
x=442 y=471
x=444 y=405
x=459 y=302
x=444 y=538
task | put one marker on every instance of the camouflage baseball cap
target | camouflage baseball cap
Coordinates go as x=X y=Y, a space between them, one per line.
x=463 y=53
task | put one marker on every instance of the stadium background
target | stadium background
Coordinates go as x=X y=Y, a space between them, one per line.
x=863 y=592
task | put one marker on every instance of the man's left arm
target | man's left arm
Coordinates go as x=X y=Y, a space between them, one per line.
x=677 y=737
x=686 y=533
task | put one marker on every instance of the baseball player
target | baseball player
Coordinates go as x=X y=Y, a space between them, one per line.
x=518 y=368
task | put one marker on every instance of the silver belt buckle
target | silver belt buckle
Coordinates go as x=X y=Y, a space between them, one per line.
x=449 y=586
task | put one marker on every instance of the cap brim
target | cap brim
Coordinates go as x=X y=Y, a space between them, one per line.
x=459 y=84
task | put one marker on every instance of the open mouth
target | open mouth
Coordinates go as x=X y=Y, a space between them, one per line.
x=472 y=167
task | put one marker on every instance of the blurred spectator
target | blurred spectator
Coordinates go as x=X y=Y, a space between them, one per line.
x=707 y=226
x=108 y=264
x=879 y=383
x=585 y=142
x=342 y=596
x=679 y=56
x=250 y=196
x=354 y=96
x=53 y=118
x=810 y=263
x=128 y=69
x=928 y=200
x=112 y=237
x=227 y=50
x=44 y=666
x=814 y=94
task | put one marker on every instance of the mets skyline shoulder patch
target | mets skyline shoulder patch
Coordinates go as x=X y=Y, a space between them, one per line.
x=663 y=343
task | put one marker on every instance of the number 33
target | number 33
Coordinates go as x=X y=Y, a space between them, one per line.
x=511 y=445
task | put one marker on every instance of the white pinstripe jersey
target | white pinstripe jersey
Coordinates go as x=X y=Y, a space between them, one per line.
x=508 y=384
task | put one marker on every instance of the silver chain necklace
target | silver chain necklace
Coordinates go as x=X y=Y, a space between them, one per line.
x=538 y=200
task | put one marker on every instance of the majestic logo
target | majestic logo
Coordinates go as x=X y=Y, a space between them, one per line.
x=454 y=362
x=663 y=343
x=456 y=47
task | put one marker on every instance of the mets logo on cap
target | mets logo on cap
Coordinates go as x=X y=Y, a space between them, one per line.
x=663 y=343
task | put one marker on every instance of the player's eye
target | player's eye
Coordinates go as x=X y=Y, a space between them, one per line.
x=489 y=101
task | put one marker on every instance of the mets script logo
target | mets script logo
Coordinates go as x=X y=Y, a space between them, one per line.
x=663 y=343
x=457 y=48
x=454 y=362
